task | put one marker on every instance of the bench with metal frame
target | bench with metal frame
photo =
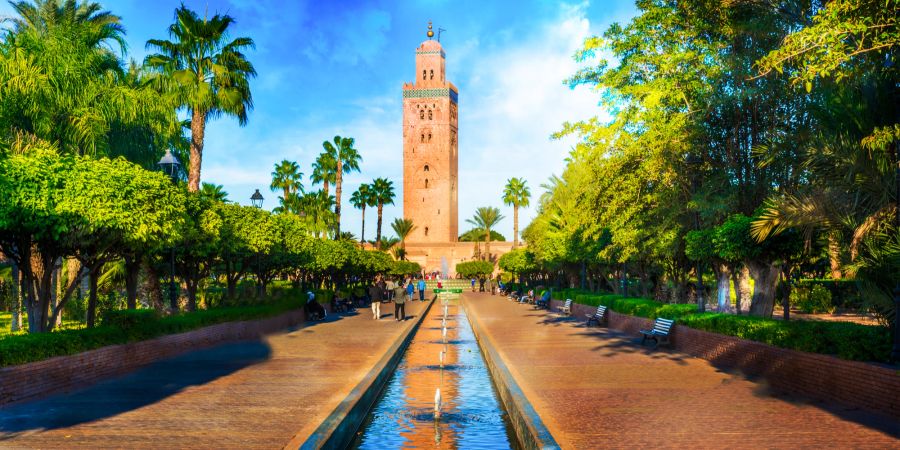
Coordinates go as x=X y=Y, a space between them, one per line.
x=598 y=316
x=660 y=331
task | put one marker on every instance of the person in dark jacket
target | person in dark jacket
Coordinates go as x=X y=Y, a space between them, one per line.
x=400 y=302
x=375 y=294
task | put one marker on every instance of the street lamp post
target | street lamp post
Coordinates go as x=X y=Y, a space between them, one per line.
x=169 y=165
x=257 y=201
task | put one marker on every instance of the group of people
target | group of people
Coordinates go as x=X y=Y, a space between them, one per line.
x=491 y=284
x=399 y=291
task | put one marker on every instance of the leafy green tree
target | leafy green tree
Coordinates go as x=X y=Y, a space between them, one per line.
x=346 y=159
x=383 y=191
x=476 y=235
x=287 y=178
x=361 y=198
x=471 y=269
x=485 y=218
x=403 y=228
x=517 y=194
x=245 y=233
x=211 y=73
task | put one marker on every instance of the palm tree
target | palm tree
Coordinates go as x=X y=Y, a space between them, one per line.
x=403 y=227
x=214 y=192
x=324 y=171
x=383 y=190
x=288 y=178
x=316 y=210
x=485 y=218
x=360 y=199
x=516 y=193
x=346 y=159
x=43 y=15
x=212 y=74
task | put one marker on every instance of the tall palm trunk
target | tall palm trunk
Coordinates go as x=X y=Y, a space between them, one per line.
x=362 y=233
x=338 y=178
x=487 y=244
x=198 y=129
x=834 y=256
x=325 y=187
x=378 y=228
x=515 y=226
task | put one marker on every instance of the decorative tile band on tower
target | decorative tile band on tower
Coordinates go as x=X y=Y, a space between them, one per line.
x=432 y=93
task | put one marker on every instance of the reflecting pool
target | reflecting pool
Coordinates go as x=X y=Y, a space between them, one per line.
x=471 y=414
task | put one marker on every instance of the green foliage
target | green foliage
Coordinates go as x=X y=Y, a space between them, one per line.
x=405 y=268
x=477 y=235
x=813 y=300
x=470 y=269
x=123 y=327
x=519 y=261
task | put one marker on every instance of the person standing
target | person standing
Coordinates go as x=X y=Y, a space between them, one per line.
x=421 y=287
x=375 y=292
x=473 y=284
x=410 y=290
x=399 y=303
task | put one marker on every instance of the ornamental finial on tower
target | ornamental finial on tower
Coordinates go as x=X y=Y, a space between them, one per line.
x=430 y=33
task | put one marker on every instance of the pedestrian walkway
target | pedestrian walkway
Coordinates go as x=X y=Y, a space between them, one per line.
x=257 y=394
x=598 y=388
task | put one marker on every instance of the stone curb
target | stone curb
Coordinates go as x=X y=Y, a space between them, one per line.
x=530 y=429
x=339 y=428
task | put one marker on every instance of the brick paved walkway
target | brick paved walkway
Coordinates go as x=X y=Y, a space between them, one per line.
x=597 y=388
x=255 y=394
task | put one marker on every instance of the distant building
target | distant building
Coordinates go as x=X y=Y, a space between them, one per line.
x=431 y=165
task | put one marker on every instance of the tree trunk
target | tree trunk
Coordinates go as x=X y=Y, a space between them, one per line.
x=192 y=287
x=198 y=128
x=487 y=245
x=325 y=185
x=16 y=323
x=378 y=227
x=723 y=286
x=362 y=233
x=765 y=276
x=338 y=178
x=152 y=286
x=515 y=226
x=834 y=256
x=132 y=270
x=55 y=294
x=92 y=298
x=741 y=280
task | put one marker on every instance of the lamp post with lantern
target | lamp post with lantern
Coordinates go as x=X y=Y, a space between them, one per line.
x=169 y=165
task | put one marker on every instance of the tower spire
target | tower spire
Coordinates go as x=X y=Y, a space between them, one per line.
x=430 y=33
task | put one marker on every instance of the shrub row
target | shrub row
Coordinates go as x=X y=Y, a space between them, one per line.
x=846 y=340
x=124 y=326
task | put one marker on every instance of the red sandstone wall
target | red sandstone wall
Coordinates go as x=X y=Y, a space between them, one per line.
x=823 y=377
x=63 y=373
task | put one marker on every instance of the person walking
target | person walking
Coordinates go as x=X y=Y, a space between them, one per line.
x=410 y=290
x=421 y=287
x=375 y=292
x=399 y=303
x=473 y=284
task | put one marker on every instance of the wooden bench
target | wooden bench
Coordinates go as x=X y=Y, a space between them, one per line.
x=567 y=307
x=660 y=331
x=597 y=316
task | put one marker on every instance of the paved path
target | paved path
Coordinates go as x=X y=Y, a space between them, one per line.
x=597 y=388
x=255 y=394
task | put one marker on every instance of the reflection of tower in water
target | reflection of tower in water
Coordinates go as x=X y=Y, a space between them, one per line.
x=426 y=375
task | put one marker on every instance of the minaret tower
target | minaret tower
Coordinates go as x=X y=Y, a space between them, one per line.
x=430 y=140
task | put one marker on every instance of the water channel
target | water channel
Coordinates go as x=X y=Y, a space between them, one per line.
x=471 y=414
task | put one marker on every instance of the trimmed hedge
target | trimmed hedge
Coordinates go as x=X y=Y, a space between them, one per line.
x=844 y=339
x=122 y=327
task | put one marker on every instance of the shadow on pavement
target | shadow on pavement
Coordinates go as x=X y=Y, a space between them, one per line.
x=146 y=386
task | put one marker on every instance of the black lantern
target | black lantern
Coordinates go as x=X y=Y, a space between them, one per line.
x=169 y=165
x=257 y=199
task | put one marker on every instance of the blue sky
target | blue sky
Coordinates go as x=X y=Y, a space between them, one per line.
x=337 y=67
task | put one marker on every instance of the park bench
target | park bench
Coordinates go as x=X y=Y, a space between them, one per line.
x=543 y=302
x=567 y=307
x=597 y=316
x=660 y=331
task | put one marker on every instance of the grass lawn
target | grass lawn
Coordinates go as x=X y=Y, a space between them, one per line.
x=6 y=319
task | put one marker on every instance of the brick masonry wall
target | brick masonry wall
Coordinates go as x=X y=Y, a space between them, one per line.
x=857 y=384
x=64 y=373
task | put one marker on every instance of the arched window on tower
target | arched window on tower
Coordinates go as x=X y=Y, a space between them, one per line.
x=426 y=183
x=422 y=114
x=423 y=137
x=432 y=75
x=429 y=137
x=423 y=74
x=426 y=167
x=426 y=231
x=429 y=114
